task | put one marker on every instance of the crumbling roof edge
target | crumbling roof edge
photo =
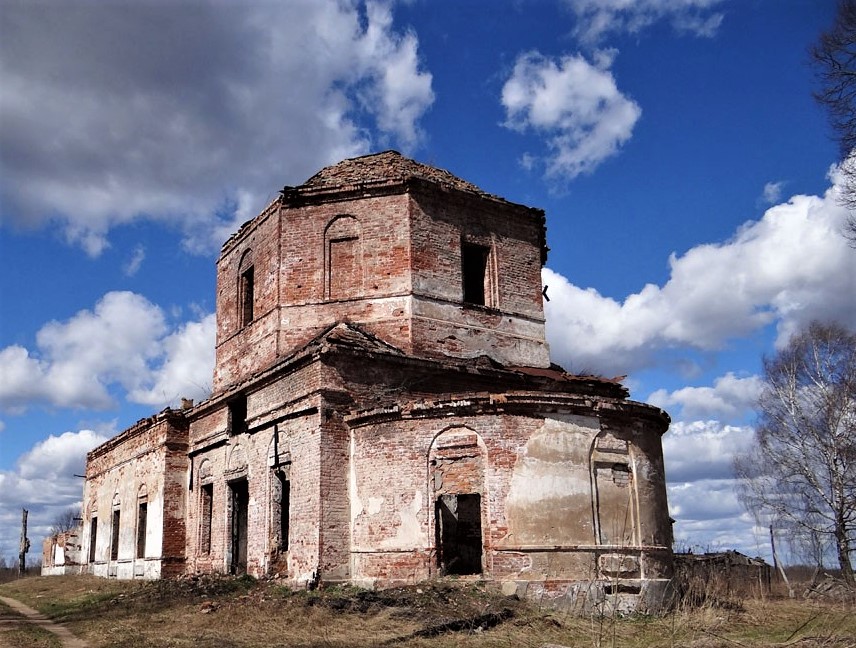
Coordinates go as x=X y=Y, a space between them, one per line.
x=389 y=165
x=511 y=402
x=138 y=428
x=406 y=174
x=313 y=349
x=271 y=207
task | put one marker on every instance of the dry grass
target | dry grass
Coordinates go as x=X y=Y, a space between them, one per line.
x=241 y=613
x=17 y=632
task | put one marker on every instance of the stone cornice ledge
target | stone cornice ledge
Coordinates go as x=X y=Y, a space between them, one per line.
x=515 y=403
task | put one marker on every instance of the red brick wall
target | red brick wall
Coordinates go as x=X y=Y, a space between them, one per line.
x=302 y=242
x=441 y=220
x=511 y=328
x=241 y=351
x=175 y=494
x=299 y=450
x=400 y=277
x=335 y=531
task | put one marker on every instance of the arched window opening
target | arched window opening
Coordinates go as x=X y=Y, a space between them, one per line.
x=281 y=502
x=93 y=537
x=206 y=506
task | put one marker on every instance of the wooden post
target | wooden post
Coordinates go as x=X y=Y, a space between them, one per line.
x=778 y=565
x=25 y=545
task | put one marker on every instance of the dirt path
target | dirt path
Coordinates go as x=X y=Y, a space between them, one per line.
x=68 y=639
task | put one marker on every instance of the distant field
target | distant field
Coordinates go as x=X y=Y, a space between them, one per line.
x=238 y=613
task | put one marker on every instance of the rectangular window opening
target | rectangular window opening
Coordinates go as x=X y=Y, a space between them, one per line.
x=238 y=415
x=344 y=269
x=93 y=536
x=476 y=273
x=207 y=508
x=621 y=589
x=246 y=295
x=114 y=539
x=142 y=519
x=459 y=534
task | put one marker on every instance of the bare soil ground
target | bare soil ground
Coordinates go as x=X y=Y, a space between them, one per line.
x=243 y=613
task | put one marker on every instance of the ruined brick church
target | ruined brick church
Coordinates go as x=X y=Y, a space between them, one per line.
x=384 y=411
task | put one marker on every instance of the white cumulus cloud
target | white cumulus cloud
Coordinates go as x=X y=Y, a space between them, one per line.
x=699 y=450
x=43 y=482
x=188 y=366
x=788 y=268
x=574 y=104
x=595 y=19
x=730 y=398
x=191 y=113
x=124 y=342
x=709 y=517
x=700 y=484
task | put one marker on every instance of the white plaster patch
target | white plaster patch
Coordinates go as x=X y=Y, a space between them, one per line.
x=555 y=462
x=536 y=481
x=409 y=533
x=375 y=505
x=356 y=503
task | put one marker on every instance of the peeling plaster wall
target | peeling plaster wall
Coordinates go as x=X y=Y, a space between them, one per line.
x=541 y=509
x=550 y=497
x=61 y=553
x=149 y=458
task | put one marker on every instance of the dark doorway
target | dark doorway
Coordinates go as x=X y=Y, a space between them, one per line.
x=282 y=507
x=459 y=536
x=240 y=498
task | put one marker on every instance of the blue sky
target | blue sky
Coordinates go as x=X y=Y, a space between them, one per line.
x=674 y=144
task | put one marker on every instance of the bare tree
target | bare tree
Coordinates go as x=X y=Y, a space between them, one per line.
x=809 y=547
x=66 y=520
x=801 y=473
x=834 y=58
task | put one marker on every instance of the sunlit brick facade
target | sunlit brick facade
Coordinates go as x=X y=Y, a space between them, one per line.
x=384 y=412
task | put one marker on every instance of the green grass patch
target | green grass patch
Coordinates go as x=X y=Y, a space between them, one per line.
x=69 y=609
